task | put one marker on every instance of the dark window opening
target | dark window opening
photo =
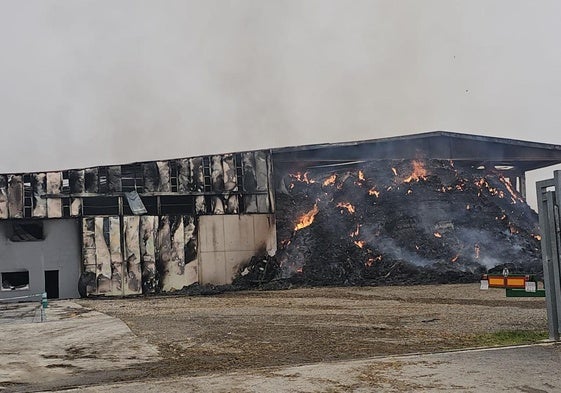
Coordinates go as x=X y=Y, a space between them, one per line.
x=207 y=174
x=65 y=183
x=27 y=231
x=15 y=280
x=173 y=177
x=102 y=179
x=149 y=202
x=27 y=196
x=99 y=206
x=131 y=178
x=177 y=204
x=66 y=207
x=239 y=170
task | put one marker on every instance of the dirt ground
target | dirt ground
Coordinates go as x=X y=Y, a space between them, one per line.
x=256 y=329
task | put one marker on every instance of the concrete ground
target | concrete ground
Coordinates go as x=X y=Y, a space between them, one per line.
x=79 y=349
x=75 y=345
x=528 y=369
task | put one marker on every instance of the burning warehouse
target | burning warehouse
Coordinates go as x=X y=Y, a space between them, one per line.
x=430 y=207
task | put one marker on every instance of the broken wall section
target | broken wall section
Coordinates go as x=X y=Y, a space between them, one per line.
x=219 y=184
x=133 y=255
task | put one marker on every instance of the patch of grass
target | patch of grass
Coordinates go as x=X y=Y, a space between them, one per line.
x=510 y=337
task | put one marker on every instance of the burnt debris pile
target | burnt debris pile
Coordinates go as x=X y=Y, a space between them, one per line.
x=405 y=222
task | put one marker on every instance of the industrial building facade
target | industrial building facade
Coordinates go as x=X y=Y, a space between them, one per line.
x=137 y=228
x=160 y=226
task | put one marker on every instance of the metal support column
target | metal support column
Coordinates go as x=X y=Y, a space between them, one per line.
x=522 y=185
x=549 y=195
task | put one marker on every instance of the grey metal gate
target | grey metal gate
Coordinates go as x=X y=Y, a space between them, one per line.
x=549 y=199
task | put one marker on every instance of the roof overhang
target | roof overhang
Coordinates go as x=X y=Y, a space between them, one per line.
x=442 y=145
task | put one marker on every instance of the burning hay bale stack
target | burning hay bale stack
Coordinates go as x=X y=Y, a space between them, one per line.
x=402 y=222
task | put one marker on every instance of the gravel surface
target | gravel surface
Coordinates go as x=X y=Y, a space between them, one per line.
x=256 y=329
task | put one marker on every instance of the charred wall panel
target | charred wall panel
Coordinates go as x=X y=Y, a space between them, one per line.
x=183 y=173
x=116 y=254
x=177 y=245
x=3 y=197
x=230 y=177
x=200 y=204
x=88 y=249
x=76 y=181
x=217 y=174
x=114 y=179
x=164 y=184
x=39 y=186
x=232 y=205
x=103 y=257
x=190 y=232
x=249 y=182
x=249 y=177
x=156 y=176
x=76 y=207
x=197 y=178
x=191 y=249
x=163 y=251
x=91 y=180
x=217 y=205
x=261 y=172
x=250 y=203
x=148 y=230
x=151 y=176
x=54 y=186
x=180 y=275
x=132 y=271
x=15 y=196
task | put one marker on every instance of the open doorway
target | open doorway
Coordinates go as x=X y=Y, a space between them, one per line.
x=51 y=284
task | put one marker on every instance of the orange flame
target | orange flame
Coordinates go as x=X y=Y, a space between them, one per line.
x=330 y=180
x=346 y=205
x=537 y=237
x=513 y=195
x=357 y=231
x=419 y=172
x=307 y=219
x=302 y=177
x=373 y=191
x=437 y=235
x=455 y=258
x=493 y=191
x=409 y=191
x=360 y=243
x=394 y=171
x=371 y=260
x=361 y=177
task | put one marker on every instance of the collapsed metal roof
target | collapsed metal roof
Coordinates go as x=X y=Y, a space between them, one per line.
x=443 y=145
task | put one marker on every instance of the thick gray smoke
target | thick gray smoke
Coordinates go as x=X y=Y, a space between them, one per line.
x=98 y=82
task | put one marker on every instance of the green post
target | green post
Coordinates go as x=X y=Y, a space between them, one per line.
x=44 y=301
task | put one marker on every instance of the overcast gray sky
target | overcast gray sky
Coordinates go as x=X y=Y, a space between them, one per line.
x=115 y=81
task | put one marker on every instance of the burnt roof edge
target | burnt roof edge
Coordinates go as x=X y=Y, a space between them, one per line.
x=422 y=135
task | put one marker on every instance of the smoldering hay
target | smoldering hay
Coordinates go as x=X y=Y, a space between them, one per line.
x=410 y=222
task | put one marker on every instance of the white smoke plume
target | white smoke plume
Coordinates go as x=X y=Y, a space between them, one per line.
x=98 y=82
